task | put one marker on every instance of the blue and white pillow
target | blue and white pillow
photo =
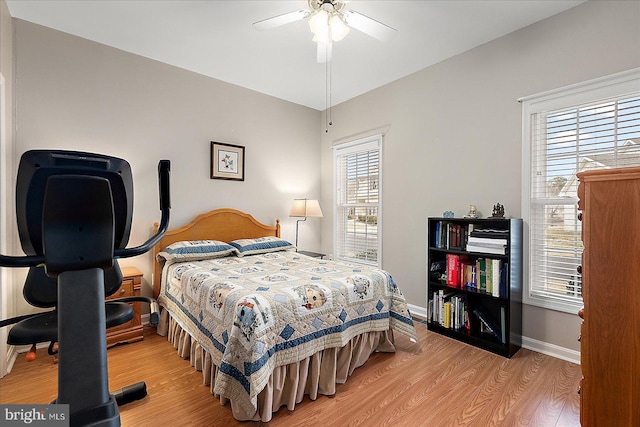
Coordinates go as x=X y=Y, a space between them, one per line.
x=260 y=245
x=191 y=250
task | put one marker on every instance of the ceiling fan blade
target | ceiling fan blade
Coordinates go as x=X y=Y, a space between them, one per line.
x=369 y=26
x=325 y=51
x=277 y=21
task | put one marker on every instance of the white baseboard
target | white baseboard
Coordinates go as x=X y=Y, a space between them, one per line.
x=418 y=311
x=12 y=355
x=553 y=350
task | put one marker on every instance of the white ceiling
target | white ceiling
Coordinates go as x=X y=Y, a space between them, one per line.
x=216 y=38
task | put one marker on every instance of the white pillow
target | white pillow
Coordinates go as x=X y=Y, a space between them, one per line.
x=260 y=245
x=191 y=250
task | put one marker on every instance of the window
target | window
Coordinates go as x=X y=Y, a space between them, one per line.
x=592 y=125
x=357 y=201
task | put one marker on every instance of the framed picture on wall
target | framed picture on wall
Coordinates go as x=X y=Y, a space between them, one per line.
x=227 y=161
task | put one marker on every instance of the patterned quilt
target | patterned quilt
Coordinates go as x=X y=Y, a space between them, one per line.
x=256 y=312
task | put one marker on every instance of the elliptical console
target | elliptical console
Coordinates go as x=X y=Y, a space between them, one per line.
x=74 y=213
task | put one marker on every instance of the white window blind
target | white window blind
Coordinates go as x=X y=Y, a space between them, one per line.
x=589 y=126
x=357 y=201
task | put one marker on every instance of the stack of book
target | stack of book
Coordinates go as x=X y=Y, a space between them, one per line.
x=485 y=275
x=488 y=241
x=455 y=270
x=491 y=277
x=450 y=236
x=449 y=310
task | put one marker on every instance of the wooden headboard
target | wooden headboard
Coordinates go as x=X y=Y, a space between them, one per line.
x=220 y=224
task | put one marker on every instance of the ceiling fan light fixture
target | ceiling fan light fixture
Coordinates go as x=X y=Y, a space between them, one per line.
x=339 y=29
x=328 y=6
x=321 y=12
x=327 y=26
x=321 y=38
x=319 y=23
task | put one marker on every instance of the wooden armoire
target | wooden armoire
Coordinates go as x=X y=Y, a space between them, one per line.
x=610 y=334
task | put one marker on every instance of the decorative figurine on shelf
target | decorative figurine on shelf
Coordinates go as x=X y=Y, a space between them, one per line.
x=448 y=214
x=498 y=211
x=473 y=212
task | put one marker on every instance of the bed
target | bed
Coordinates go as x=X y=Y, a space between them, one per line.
x=264 y=324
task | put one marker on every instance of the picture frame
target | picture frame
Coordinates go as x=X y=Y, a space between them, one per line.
x=227 y=161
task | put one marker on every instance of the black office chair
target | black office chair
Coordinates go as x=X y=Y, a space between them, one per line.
x=74 y=213
x=41 y=291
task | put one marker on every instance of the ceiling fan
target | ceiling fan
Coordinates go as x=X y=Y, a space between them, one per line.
x=329 y=22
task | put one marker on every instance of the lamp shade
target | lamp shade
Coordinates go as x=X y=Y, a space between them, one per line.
x=319 y=24
x=338 y=28
x=304 y=208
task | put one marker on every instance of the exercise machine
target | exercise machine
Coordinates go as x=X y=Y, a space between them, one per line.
x=74 y=213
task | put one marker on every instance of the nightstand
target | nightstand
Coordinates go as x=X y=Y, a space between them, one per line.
x=132 y=330
x=312 y=254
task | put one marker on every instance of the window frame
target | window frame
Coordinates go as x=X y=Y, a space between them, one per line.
x=369 y=143
x=612 y=86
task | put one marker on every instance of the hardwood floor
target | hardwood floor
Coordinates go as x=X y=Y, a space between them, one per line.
x=436 y=382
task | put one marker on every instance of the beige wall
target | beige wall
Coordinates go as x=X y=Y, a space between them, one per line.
x=80 y=95
x=453 y=134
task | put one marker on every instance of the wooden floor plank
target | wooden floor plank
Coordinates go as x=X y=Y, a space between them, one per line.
x=436 y=382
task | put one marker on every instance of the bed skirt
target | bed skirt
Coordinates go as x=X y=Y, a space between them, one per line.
x=288 y=384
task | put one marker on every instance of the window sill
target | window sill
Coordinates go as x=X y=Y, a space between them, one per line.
x=550 y=304
x=360 y=262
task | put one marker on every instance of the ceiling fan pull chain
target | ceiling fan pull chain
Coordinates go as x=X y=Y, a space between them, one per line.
x=330 y=100
x=327 y=70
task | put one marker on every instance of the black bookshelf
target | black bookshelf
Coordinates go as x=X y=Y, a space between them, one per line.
x=468 y=300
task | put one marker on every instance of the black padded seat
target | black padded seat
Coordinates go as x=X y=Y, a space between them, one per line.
x=118 y=313
x=44 y=327
x=41 y=290
x=41 y=328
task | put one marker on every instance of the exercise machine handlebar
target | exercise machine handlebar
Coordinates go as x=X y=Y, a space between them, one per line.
x=164 y=172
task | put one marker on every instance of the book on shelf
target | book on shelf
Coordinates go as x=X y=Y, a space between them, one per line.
x=440 y=298
x=503 y=325
x=481 y=274
x=488 y=272
x=443 y=235
x=468 y=271
x=496 y=277
x=485 y=240
x=457 y=237
x=449 y=309
x=491 y=233
x=450 y=236
x=484 y=275
x=437 y=234
x=486 y=249
x=489 y=324
x=455 y=271
x=436 y=305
